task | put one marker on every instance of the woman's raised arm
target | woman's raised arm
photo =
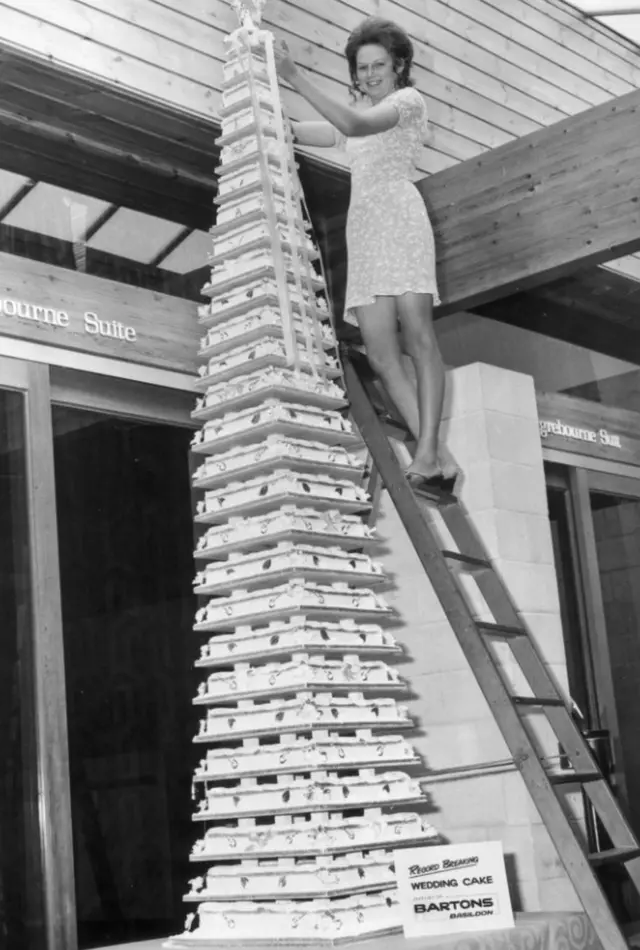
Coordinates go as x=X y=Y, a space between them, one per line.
x=351 y=122
x=315 y=134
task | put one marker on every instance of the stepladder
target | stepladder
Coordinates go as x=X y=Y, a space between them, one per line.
x=509 y=668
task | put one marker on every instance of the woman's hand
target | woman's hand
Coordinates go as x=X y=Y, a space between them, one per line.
x=285 y=65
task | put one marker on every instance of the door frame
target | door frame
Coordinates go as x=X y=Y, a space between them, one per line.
x=51 y=818
x=43 y=386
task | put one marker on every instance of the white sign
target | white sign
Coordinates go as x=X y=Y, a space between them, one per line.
x=453 y=888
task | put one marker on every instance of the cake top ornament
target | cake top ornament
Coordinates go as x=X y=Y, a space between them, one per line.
x=249 y=12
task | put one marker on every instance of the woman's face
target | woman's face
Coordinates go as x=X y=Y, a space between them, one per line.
x=375 y=72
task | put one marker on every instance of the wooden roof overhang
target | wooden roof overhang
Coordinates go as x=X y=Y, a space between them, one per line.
x=520 y=228
x=540 y=207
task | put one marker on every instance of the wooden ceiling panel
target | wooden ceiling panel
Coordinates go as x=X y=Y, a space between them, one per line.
x=576 y=311
x=61 y=162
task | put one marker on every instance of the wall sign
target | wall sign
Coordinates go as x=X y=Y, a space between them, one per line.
x=567 y=431
x=584 y=427
x=453 y=888
x=65 y=308
x=90 y=322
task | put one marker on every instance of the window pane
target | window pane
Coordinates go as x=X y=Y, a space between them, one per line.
x=579 y=660
x=20 y=882
x=126 y=562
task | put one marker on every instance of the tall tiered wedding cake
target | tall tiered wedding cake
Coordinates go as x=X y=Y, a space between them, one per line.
x=301 y=788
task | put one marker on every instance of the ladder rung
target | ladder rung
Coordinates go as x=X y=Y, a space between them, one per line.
x=501 y=629
x=614 y=856
x=574 y=778
x=388 y=420
x=468 y=562
x=538 y=701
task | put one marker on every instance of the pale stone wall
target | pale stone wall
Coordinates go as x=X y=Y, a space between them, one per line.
x=492 y=428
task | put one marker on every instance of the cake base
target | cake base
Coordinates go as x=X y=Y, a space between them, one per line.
x=570 y=930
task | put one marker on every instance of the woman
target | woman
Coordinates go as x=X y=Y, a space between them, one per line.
x=391 y=280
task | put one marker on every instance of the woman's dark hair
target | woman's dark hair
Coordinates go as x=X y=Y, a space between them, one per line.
x=375 y=30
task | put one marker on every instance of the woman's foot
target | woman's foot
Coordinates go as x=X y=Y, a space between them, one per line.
x=446 y=462
x=436 y=483
x=424 y=469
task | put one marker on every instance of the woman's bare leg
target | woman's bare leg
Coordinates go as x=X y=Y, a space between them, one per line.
x=446 y=460
x=378 y=324
x=415 y=312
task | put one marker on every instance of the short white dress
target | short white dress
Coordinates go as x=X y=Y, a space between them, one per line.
x=390 y=244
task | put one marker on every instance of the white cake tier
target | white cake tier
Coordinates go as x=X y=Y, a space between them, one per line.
x=274 y=382
x=238 y=271
x=294 y=921
x=295 y=598
x=248 y=149
x=268 y=568
x=238 y=65
x=326 y=877
x=246 y=461
x=270 y=351
x=297 y=636
x=293 y=754
x=248 y=178
x=244 y=122
x=253 y=296
x=255 y=234
x=297 y=675
x=303 y=795
x=239 y=94
x=270 y=418
x=277 y=489
x=249 y=328
x=280 y=716
x=289 y=523
x=313 y=836
x=251 y=207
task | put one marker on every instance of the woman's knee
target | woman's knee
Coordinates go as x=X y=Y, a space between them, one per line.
x=385 y=361
x=416 y=320
x=420 y=342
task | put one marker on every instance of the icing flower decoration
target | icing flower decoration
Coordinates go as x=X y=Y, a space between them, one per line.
x=249 y=10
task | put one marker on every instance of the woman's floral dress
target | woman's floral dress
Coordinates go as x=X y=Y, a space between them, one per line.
x=391 y=249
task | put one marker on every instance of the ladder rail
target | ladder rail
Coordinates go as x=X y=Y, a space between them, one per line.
x=484 y=665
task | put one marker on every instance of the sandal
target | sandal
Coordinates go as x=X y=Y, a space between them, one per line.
x=437 y=486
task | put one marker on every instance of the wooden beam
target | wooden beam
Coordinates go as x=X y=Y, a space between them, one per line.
x=54 y=799
x=542 y=314
x=80 y=167
x=539 y=207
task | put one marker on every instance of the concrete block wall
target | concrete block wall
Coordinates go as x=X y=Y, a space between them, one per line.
x=491 y=427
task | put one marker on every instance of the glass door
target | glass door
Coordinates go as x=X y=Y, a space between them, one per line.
x=125 y=531
x=595 y=521
x=611 y=509
x=35 y=877
x=580 y=667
